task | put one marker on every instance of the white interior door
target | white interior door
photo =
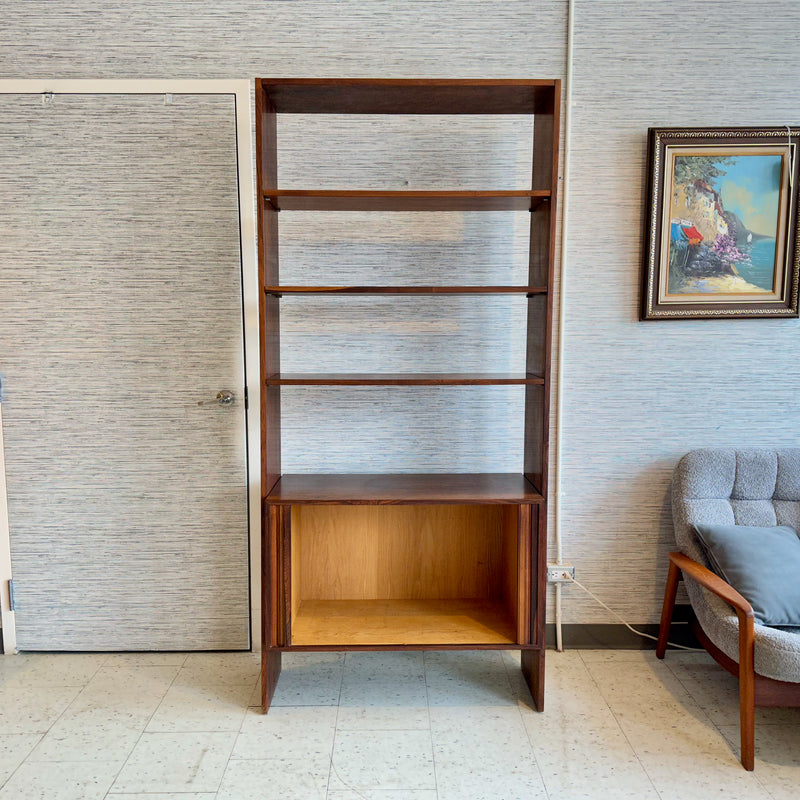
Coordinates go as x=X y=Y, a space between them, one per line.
x=120 y=312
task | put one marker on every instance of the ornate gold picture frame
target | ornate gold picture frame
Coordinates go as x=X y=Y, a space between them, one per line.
x=722 y=232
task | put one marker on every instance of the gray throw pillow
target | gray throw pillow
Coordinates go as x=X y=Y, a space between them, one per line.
x=762 y=564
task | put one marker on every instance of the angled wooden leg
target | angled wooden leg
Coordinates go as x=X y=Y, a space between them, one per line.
x=670 y=591
x=270 y=672
x=270 y=602
x=746 y=690
x=533 y=670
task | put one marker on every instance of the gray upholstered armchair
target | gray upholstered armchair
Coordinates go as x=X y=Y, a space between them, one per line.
x=726 y=487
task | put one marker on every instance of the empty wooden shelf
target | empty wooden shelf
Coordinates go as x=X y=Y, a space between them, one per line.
x=388 y=200
x=409 y=379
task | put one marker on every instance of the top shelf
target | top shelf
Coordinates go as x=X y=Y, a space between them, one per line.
x=403 y=96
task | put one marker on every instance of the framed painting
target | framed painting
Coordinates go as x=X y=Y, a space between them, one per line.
x=722 y=232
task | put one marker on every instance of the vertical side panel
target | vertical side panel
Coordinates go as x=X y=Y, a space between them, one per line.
x=269 y=306
x=533 y=670
x=533 y=659
x=540 y=310
x=271 y=633
x=536 y=419
x=269 y=318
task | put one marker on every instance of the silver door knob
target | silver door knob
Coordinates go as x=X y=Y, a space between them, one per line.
x=222 y=398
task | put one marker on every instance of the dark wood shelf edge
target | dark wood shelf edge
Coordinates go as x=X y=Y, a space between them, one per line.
x=277 y=291
x=405 y=200
x=392 y=379
x=311 y=648
x=408 y=95
x=454 y=488
x=539 y=194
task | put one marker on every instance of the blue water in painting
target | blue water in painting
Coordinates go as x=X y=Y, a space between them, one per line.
x=762 y=256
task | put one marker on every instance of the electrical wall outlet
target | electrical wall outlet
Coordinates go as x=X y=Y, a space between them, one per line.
x=559 y=573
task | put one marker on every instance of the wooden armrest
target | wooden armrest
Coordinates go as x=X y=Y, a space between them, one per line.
x=705 y=577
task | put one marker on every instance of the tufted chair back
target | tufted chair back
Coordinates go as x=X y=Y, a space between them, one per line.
x=755 y=486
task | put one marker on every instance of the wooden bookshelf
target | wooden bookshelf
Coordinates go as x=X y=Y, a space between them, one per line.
x=407 y=560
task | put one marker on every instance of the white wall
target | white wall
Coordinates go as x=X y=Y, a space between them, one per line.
x=638 y=395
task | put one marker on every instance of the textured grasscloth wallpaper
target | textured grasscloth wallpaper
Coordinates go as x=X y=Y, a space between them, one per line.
x=637 y=395
x=238 y=39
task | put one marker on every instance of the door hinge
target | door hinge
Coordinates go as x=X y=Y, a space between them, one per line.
x=246 y=399
x=11 y=603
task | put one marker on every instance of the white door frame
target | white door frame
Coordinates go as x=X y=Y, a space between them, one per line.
x=240 y=89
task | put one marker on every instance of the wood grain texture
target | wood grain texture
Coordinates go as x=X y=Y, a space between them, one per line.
x=407 y=96
x=403 y=489
x=268 y=306
x=398 y=201
x=120 y=309
x=399 y=552
x=280 y=290
x=510 y=583
x=399 y=622
x=409 y=379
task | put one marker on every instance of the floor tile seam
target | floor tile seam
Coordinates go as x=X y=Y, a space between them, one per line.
x=692 y=697
x=766 y=788
x=224 y=770
x=172 y=685
x=24 y=761
x=621 y=729
x=430 y=722
x=142 y=732
x=112 y=653
x=53 y=723
x=530 y=740
x=512 y=682
x=755 y=773
x=94 y=674
x=331 y=768
x=678 y=703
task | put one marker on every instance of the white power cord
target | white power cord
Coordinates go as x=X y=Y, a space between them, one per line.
x=629 y=627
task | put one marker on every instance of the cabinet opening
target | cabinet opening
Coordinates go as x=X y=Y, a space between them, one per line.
x=405 y=575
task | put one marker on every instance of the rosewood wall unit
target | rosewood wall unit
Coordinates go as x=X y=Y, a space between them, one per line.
x=407 y=561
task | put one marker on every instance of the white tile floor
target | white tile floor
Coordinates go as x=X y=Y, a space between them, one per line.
x=383 y=726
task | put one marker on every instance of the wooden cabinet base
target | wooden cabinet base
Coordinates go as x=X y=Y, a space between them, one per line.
x=411 y=575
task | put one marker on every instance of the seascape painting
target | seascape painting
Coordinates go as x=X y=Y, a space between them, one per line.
x=726 y=215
